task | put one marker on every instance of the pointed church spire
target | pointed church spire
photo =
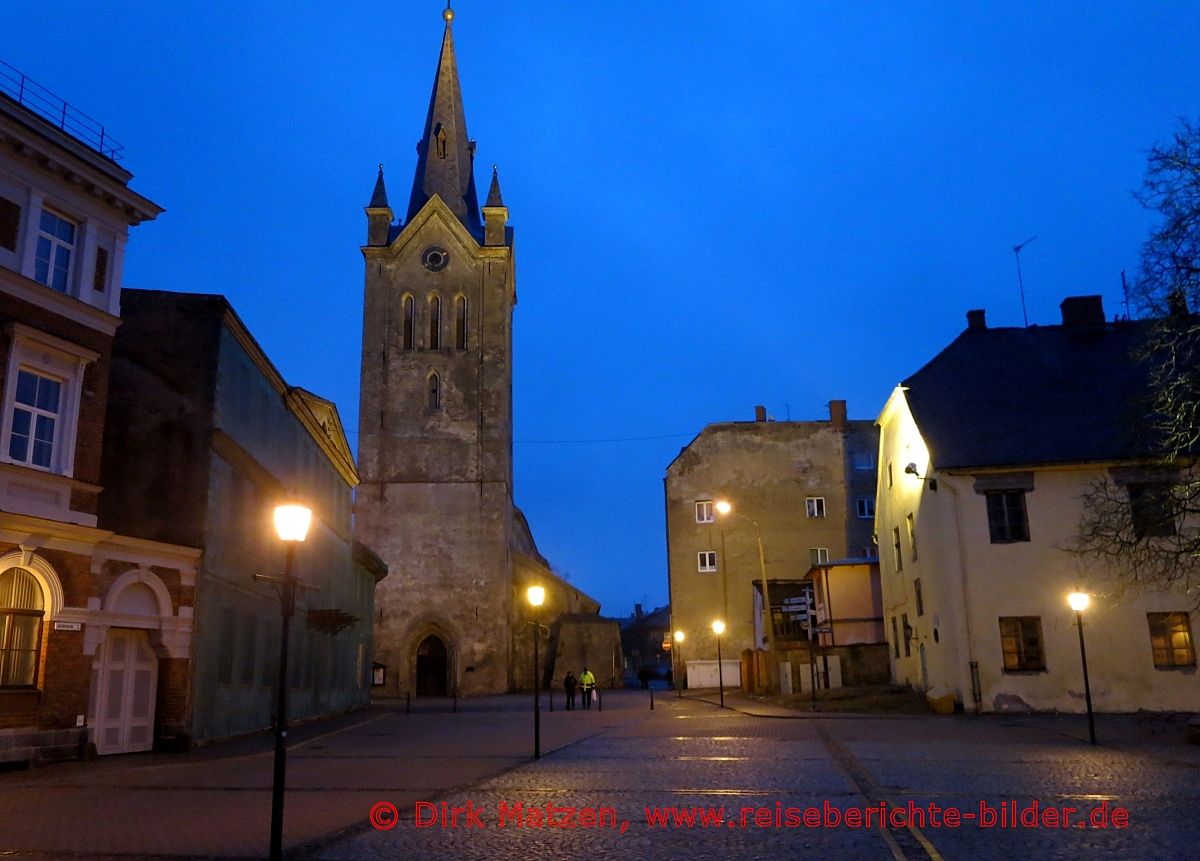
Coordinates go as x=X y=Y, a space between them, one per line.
x=379 y=214
x=445 y=152
x=379 y=196
x=494 y=198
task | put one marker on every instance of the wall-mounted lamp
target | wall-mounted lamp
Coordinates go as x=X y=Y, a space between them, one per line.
x=912 y=470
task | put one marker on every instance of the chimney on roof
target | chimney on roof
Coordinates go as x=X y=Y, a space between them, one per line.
x=976 y=320
x=1080 y=311
x=637 y=611
x=837 y=414
x=760 y=413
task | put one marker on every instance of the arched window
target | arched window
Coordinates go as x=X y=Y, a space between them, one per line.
x=21 y=609
x=435 y=392
x=435 y=322
x=410 y=322
x=460 y=322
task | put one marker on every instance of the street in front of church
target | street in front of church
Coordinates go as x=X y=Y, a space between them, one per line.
x=686 y=780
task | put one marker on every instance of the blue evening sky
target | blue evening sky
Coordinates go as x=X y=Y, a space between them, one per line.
x=716 y=205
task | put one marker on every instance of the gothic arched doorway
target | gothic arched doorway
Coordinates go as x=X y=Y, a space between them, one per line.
x=432 y=666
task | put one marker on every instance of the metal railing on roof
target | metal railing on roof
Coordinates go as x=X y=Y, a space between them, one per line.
x=33 y=96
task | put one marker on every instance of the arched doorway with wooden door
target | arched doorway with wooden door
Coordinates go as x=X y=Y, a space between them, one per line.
x=126 y=692
x=433 y=667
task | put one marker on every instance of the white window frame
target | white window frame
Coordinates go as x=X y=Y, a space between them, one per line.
x=704 y=511
x=47 y=356
x=706 y=561
x=814 y=507
x=866 y=504
x=821 y=554
x=57 y=246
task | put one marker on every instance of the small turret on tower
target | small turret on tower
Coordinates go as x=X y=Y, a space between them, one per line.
x=379 y=214
x=495 y=213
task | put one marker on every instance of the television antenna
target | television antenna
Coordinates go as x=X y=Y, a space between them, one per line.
x=1020 y=281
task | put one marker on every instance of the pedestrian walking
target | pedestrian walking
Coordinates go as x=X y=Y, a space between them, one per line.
x=588 y=682
x=570 y=683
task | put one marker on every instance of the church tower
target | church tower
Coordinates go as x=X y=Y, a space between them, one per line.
x=435 y=419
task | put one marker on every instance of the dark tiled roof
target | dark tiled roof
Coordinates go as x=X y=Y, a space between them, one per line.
x=1041 y=395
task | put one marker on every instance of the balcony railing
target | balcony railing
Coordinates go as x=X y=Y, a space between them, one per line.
x=45 y=104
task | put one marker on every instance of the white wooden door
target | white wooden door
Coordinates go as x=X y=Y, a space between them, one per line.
x=128 y=685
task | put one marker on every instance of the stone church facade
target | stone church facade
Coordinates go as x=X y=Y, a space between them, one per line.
x=435 y=423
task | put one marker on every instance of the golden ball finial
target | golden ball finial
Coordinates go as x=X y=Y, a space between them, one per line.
x=448 y=13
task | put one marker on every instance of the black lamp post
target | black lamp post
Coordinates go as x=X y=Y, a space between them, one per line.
x=1079 y=602
x=679 y=680
x=291 y=524
x=719 y=629
x=536 y=596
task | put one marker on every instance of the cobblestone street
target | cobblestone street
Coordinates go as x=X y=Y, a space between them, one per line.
x=687 y=754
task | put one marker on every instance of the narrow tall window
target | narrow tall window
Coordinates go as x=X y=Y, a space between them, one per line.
x=920 y=599
x=409 y=336
x=1171 y=640
x=55 y=245
x=907 y=629
x=100 y=274
x=435 y=392
x=460 y=322
x=10 y=223
x=435 y=322
x=21 y=610
x=912 y=535
x=34 y=419
x=897 y=553
x=704 y=511
x=895 y=639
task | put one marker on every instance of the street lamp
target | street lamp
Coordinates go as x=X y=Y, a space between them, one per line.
x=679 y=637
x=718 y=628
x=536 y=596
x=1079 y=602
x=725 y=509
x=292 y=520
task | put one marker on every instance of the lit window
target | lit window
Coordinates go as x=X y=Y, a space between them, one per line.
x=706 y=561
x=21 y=610
x=56 y=242
x=435 y=322
x=460 y=322
x=1007 y=520
x=818 y=555
x=704 y=511
x=35 y=414
x=866 y=507
x=814 y=506
x=1152 y=508
x=1021 y=643
x=912 y=535
x=409 y=336
x=1171 y=640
